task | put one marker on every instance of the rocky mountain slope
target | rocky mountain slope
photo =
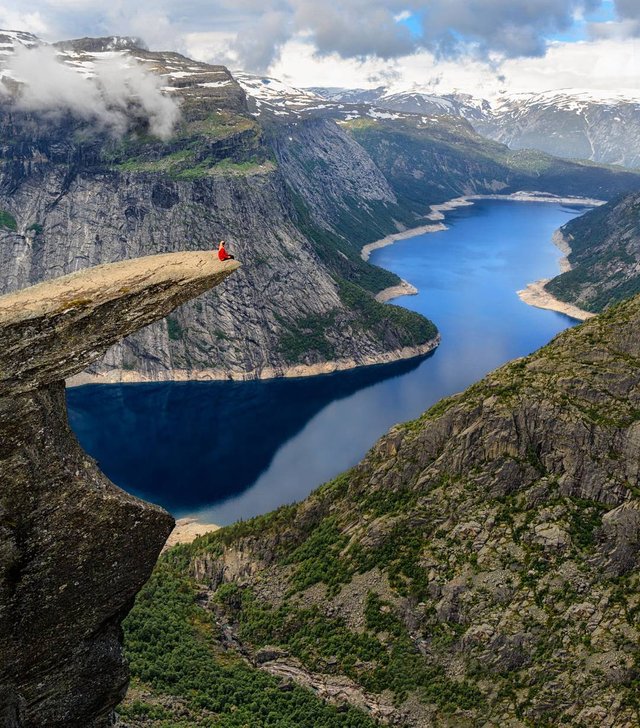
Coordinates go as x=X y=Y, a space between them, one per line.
x=75 y=549
x=72 y=196
x=444 y=158
x=604 y=256
x=478 y=567
x=572 y=123
x=599 y=126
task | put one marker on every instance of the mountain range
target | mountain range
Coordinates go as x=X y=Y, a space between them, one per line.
x=296 y=183
x=571 y=123
x=478 y=567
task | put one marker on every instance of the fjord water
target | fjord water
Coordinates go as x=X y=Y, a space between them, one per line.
x=229 y=450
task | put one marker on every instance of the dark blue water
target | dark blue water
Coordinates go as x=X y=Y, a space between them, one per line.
x=226 y=450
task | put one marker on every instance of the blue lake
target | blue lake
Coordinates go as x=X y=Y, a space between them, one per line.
x=226 y=450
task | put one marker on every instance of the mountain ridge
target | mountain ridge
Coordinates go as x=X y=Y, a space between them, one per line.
x=479 y=565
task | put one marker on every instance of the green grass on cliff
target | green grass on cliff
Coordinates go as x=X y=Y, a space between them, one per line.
x=8 y=221
x=204 y=144
x=306 y=337
x=341 y=254
x=181 y=165
x=412 y=329
x=380 y=657
x=393 y=327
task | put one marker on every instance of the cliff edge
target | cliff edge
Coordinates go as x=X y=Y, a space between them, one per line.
x=74 y=548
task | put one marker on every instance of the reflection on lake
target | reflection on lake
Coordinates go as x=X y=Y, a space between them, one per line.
x=229 y=450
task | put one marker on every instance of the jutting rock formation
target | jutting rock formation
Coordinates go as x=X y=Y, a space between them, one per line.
x=74 y=548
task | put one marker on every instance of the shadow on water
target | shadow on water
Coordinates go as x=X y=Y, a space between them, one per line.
x=183 y=444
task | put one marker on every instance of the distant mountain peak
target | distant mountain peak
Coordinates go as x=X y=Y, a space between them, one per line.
x=102 y=45
x=9 y=39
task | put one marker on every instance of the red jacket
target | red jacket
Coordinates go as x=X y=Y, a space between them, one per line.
x=223 y=255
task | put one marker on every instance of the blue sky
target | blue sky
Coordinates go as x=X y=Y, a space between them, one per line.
x=606 y=13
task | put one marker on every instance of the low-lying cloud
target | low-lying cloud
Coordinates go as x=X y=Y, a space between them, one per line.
x=117 y=94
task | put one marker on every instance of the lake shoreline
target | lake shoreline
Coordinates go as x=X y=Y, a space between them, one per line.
x=436 y=216
x=125 y=376
x=404 y=288
x=536 y=294
x=438 y=213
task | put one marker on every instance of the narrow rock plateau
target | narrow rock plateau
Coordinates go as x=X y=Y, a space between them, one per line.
x=74 y=548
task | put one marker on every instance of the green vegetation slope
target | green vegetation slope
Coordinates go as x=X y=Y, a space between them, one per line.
x=605 y=256
x=480 y=566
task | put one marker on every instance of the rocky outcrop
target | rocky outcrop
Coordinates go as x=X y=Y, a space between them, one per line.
x=603 y=247
x=74 y=548
x=481 y=563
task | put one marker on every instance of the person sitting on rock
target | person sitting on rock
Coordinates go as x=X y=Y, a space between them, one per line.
x=222 y=252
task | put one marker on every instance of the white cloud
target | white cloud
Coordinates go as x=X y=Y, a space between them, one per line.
x=116 y=91
x=599 y=64
x=603 y=64
x=212 y=46
x=29 y=22
x=466 y=44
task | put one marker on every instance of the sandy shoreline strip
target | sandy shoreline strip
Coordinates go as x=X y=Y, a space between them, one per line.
x=438 y=211
x=402 y=235
x=188 y=529
x=536 y=295
x=404 y=288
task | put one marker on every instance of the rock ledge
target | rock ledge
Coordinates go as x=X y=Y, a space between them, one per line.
x=74 y=548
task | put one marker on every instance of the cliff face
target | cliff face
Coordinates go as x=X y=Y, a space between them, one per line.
x=295 y=197
x=74 y=548
x=480 y=566
x=604 y=257
x=216 y=177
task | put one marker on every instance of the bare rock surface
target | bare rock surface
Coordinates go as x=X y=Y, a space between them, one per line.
x=74 y=548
